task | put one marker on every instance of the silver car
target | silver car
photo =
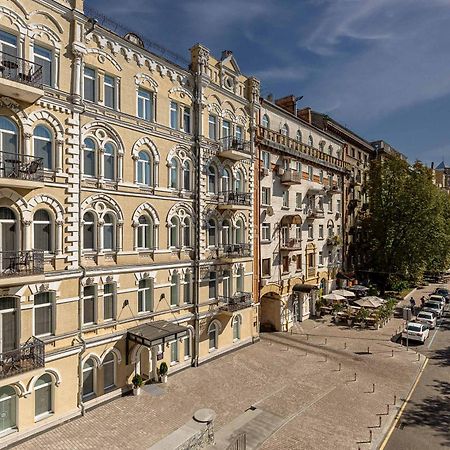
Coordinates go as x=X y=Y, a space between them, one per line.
x=427 y=317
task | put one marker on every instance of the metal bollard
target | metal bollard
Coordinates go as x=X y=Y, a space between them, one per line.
x=345 y=345
x=379 y=421
x=340 y=366
x=418 y=356
x=388 y=406
x=354 y=377
x=373 y=388
x=370 y=436
x=326 y=340
x=368 y=350
x=392 y=353
x=395 y=399
x=307 y=337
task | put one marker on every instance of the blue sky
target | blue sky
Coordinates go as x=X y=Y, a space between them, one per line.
x=381 y=67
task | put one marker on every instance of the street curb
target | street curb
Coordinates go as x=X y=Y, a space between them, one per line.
x=410 y=293
x=402 y=408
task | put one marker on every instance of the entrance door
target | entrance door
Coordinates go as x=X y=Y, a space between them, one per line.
x=144 y=365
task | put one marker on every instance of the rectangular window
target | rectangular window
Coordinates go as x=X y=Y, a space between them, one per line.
x=110 y=91
x=265 y=231
x=265 y=267
x=239 y=133
x=299 y=167
x=187 y=119
x=285 y=264
x=89 y=84
x=320 y=259
x=298 y=200
x=286 y=164
x=338 y=230
x=174 y=115
x=321 y=176
x=187 y=288
x=298 y=262
x=145 y=104
x=265 y=196
x=145 y=295
x=44 y=58
x=212 y=127
x=310 y=260
x=330 y=204
x=330 y=180
x=285 y=199
x=310 y=173
x=338 y=205
x=174 y=291
x=320 y=231
x=108 y=302
x=226 y=128
x=212 y=285
x=360 y=156
x=43 y=314
x=174 y=352
x=187 y=347
x=266 y=159
x=88 y=305
x=310 y=232
x=298 y=232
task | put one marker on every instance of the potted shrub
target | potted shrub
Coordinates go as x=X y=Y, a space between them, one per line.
x=361 y=316
x=163 y=369
x=137 y=382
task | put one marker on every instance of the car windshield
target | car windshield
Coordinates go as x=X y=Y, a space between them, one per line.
x=425 y=315
x=442 y=291
x=431 y=305
x=412 y=327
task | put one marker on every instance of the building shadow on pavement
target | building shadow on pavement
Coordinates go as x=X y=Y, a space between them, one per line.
x=442 y=356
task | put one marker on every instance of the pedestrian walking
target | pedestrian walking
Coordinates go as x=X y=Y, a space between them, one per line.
x=413 y=306
x=422 y=301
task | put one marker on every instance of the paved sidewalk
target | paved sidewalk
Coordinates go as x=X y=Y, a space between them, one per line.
x=319 y=406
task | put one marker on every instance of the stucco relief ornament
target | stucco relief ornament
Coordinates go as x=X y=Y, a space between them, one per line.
x=44 y=287
x=89 y=281
x=203 y=59
x=101 y=59
x=109 y=279
x=9 y=103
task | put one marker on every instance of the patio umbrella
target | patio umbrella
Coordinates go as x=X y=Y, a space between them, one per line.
x=333 y=297
x=370 y=302
x=359 y=288
x=344 y=293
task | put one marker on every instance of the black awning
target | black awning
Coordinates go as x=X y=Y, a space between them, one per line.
x=156 y=333
x=304 y=287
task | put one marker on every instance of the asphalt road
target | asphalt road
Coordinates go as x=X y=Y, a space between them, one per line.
x=425 y=422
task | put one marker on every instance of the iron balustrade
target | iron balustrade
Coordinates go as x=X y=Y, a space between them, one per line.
x=234 y=143
x=234 y=251
x=21 y=167
x=291 y=244
x=291 y=177
x=235 y=198
x=21 y=262
x=315 y=214
x=18 y=69
x=29 y=356
x=240 y=300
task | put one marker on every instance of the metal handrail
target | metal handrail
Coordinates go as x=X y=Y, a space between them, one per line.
x=235 y=250
x=19 y=69
x=22 y=167
x=234 y=143
x=235 y=198
x=21 y=262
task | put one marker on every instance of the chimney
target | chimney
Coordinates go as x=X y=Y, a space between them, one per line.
x=305 y=114
x=287 y=103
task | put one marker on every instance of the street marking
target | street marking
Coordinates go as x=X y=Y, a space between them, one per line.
x=434 y=335
x=402 y=408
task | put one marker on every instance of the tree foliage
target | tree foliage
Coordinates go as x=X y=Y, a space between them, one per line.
x=408 y=226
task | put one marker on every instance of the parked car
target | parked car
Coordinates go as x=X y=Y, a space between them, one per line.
x=433 y=306
x=437 y=298
x=444 y=292
x=416 y=331
x=428 y=318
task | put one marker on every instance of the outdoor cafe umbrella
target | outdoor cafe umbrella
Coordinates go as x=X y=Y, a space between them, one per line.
x=334 y=297
x=370 y=302
x=359 y=288
x=344 y=293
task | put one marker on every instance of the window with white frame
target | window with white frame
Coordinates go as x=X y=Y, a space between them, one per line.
x=321 y=176
x=239 y=133
x=88 y=231
x=321 y=231
x=89 y=84
x=212 y=241
x=338 y=205
x=187 y=176
x=43 y=146
x=109 y=371
x=239 y=232
x=310 y=173
x=174 y=123
x=212 y=180
x=186 y=119
x=320 y=259
x=89 y=309
x=44 y=58
x=8 y=141
x=285 y=130
x=145 y=232
x=174 y=352
x=226 y=180
x=212 y=127
x=144 y=168
x=299 y=168
x=88 y=378
x=237 y=323
x=108 y=232
x=109 y=86
x=109 y=162
x=43 y=396
x=145 y=104
x=174 y=232
x=298 y=200
x=187 y=291
x=311 y=141
x=226 y=128
x=109 y=301
x=187 y=347
x=89 y=158
x=299 y=136
x=265 y=231
x=298 y=231
x=174 y=289
x=8 y=406
x=240 y=280
x=265 y=156
x=145 y=295
x=265 y=121
x=173 y=175
x=310 y=232
x=213 y=334
x=187 y=232
x=285 y=199
x=239 y=182
x=330 y=150
x=42 y=231
x=265 y=196
x=330 y=204
x=43 y=306
x=212 y=286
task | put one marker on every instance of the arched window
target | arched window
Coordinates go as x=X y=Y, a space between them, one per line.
x=8 y=408
x=299 y=136
x=174 y=232
x=226 y=232
x=237 y=322
x=310 y=141
x=212 y=233
x=89 y=160
x=110 y=162
x=173 y=173
x=145 y=232
x=239 y=182
x=43 y=396
x=9 y=236
x=42 y=227
x=330 y=229
x=174 y=289
x=42 y=146
x=88 y=378
x=88 y=231
x=265 y=121
x=213 y=334
x=108 y=232
x=187 y=176
x=212 y=188
x=187 y=232
x=240 y=238
x=187 y=288
x=240 y=280
x=144 y=169
x=285 y=130
x=109 y=371
x=8 y=137
x=226 y=180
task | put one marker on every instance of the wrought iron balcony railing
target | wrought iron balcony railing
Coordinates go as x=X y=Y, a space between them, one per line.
x=235 y=198
x=291 y=177
x=21 y=70
x=234 y=251
x=21 y=262
x=240 y=300
x=315 y=214
x=291 y=244
x=21 y=167
x=234 y=143
x=29 y=356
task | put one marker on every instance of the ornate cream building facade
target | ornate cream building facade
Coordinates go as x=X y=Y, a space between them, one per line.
x=126 y=212
x=302 y=174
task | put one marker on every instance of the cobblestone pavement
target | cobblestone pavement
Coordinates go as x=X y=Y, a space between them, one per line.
x=291 y=375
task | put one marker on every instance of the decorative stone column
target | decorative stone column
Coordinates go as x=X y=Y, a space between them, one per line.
x=119 y=236
x=59 y=237
x=26 y=234
x=59 y=154
x=27 y=143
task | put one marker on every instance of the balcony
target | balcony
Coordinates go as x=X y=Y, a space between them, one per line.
x=234 y=148
x=29 y=356
x=335 y=189
x=315 y=214
x=20 y=79
x=21 y=171
x=291 y=177
x=233 y=252
x=18 y=263
x=234 y=200
x=240 y=300
x=290 y=245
